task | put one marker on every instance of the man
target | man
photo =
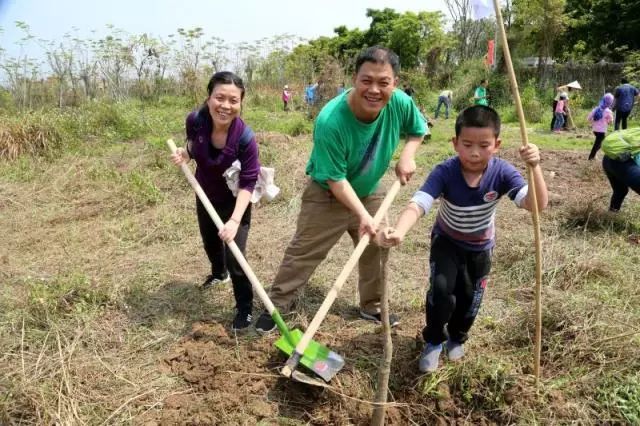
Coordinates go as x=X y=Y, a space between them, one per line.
x=310 y=93
x=480 y=95
x=445 y=98
x=625 y=95
x=354 y=139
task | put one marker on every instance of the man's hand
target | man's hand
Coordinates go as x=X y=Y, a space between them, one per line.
x=530 y=154
x=367 y=226
x=405 y=170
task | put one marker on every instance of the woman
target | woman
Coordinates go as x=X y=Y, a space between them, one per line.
x=621 y=164
x=216 y=137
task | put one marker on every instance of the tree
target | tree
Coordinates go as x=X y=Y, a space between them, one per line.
x=114 y=58
x=471 y=35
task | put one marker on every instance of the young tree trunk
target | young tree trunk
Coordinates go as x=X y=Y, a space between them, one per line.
x=384 y=370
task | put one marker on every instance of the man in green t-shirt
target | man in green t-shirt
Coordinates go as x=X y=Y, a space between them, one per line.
x=354 y=138
x=480 y=95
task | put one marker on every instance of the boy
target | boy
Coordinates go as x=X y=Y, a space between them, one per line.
x=462 y=238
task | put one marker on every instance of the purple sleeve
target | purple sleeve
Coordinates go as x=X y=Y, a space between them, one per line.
x=190 y=125
x=190 y=128
x=434 y=185
x=512 y=181
x=249 y=166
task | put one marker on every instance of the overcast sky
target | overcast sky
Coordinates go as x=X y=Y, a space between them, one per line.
x=233 y=21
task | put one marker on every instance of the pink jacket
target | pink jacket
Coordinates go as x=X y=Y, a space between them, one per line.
x=601 y=125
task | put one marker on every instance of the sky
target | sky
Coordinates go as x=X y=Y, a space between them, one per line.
x=231 y=20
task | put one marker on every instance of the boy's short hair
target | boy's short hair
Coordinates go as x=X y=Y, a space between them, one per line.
x=478 y=116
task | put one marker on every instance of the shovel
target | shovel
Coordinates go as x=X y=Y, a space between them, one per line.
x=326 y=367
x=289 y=338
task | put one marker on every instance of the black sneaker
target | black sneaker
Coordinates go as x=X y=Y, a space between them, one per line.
x=213 y=281
x=265 y=323
x=394 y=321
x=242 y=320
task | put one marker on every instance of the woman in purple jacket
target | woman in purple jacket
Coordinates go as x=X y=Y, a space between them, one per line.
x=216 y=137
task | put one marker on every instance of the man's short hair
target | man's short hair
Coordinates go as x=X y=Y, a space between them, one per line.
x=379 y=55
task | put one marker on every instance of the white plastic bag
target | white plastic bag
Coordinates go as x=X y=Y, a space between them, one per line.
x=264 y=189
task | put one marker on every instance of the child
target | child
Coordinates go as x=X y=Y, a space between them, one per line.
x=600 y=118
x=559 y=114
x=286 y=97
x=462 y=238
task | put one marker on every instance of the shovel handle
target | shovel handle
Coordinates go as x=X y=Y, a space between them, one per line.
x=293 y=361
x=257 y=287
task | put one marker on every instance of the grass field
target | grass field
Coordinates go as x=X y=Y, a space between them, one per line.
x=101 y=320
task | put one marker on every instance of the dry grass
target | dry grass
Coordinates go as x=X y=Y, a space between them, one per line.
x=101 y=322
x=27 y=136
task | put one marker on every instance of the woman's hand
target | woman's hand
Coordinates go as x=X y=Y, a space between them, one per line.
x=229 y=230
x=180 y=157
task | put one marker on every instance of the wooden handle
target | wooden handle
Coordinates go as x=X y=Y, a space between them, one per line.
x=257 y=287
x=532 y=191
x=346 y=271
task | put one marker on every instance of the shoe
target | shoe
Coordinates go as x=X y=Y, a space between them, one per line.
x=241 y=321
x=429 y=358
x=394 y=321
x=455 y=350
x=213 y=281
x=265 y=323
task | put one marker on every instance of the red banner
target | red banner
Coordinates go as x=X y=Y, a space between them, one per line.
x=490 y=53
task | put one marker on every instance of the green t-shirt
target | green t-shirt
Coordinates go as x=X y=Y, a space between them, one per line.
x=481 y=92
x=346 y=148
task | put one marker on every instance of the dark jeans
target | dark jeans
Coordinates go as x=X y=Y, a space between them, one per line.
x=621 y=116
x=443 y=100
x=220 y=255
x=458 y=279
x=553 y=115
x=622 y=175
x=596 y=144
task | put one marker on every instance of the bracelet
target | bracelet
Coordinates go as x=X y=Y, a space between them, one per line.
x=236 y=221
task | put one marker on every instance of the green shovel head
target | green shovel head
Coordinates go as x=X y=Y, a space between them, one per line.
x=317 y=358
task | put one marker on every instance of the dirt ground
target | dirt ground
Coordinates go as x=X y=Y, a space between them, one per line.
x=163 y=352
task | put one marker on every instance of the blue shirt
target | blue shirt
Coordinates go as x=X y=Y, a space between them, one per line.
x=467 y=215
x=311 y=93
x=624 y=97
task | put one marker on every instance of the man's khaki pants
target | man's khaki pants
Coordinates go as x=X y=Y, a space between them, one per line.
x=321 y=222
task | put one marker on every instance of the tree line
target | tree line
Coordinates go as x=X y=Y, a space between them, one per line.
x=431 y=45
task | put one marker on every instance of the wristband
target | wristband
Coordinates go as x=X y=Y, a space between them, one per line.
x=236 y=221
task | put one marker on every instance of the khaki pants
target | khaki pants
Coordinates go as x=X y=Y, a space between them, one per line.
x=321 y=222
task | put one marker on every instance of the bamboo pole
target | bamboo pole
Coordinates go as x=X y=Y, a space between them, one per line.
x=534 y=210
x=384 y=370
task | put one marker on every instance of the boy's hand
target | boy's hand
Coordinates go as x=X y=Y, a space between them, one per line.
x=530 y=154
x=388 y=237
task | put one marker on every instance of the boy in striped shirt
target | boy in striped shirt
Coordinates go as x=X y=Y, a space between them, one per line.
x=463 y=236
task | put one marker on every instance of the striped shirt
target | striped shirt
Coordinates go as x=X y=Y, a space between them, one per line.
x=467 y=215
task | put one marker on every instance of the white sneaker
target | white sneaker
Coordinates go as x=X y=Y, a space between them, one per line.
x=429 y=358
x=455 y=350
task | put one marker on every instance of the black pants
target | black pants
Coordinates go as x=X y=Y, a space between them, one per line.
x=621 y=116
x=219 y=254
x=596 y=144
x=458 y=279
x=622 y=175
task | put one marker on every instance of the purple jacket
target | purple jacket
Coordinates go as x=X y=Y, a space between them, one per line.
x=212 y=162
